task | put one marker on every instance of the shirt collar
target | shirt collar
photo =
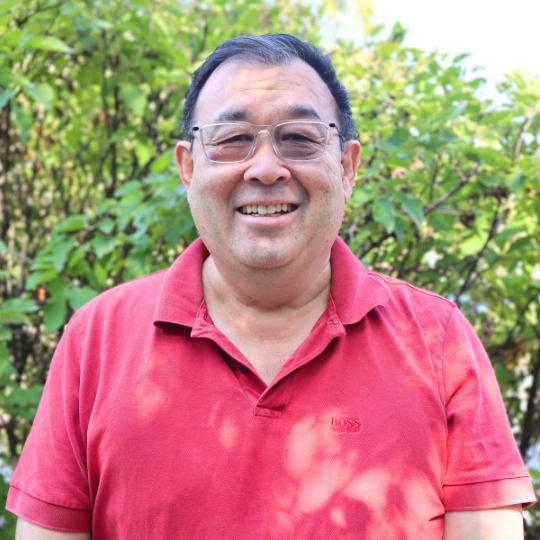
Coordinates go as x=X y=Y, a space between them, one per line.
x=181 y=293
x=354 y=290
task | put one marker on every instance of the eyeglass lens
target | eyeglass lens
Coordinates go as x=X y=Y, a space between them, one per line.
x=299 y=141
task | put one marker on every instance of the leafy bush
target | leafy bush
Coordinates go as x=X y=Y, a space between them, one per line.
x=91 y=95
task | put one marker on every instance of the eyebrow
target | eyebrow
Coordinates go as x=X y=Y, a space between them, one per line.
x=243 y=114
x=231 y=116
x=304 y=112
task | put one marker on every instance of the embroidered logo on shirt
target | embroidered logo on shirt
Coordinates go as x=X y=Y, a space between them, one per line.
x=345 y=425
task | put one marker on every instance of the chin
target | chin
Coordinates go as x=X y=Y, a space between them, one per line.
x=265 y=257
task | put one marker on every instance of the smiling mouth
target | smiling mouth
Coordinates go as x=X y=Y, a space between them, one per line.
x=270 y=210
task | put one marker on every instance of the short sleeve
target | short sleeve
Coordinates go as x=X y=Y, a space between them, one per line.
x=50 y=484
x=484 y=467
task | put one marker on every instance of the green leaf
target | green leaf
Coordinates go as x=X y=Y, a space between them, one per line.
x=13 y=311
x=383 y=213
x=399 y=136
x=4 y=352
x=8 y=5
x=72 y=223
x=460 y=57
x=5 y=333
x=42 y=92
x=472 y=245
x=134 y=98
x=5 y=96
x=57 y=288
x=159 y=21
x=13 y=317
x=173 y=235
x=39 y=277
x=103 y=245
x=48 y=43
x=105 y=25
x=399 y=230
x=78 y=267
x=363 y=195
x=489 y=156
x=413 y=208
x=60 y=253
x=23 y=120
x=6 y=368
x=492 y=180
x=511 y=231
x=79 y=296
x=25 y=396
x=18 y=304
x=128 y=187
x=439 y=223
x=10 y=39
x=100 y=274
x=121 y=134
x=54 y=314
x=106 y=226
x=163 y=161
x=387 y=48
x=374 y=168
x=143 y=153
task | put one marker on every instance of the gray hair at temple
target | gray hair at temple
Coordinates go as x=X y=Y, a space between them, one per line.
x=271 y=50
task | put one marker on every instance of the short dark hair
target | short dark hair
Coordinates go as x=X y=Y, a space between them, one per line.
x=271 y=50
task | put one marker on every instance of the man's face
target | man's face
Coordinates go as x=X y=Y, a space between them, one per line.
x=316 y=191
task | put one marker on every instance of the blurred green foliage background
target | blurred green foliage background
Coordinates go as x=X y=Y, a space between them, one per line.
x=91 y=96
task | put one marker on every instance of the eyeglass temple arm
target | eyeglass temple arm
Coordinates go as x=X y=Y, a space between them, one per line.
x=334 y=125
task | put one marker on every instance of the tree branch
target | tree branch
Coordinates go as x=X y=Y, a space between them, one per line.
x=464 y=179
x=26 y=259
x=528 y=422
x=494 y=226
x=519 y=140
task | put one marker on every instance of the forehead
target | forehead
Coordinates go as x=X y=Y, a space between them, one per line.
x=264 y=94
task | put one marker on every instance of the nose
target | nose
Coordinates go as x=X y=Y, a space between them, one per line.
x=265 y=165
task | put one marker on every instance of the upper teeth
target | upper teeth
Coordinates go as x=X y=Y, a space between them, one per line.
x=262 y=210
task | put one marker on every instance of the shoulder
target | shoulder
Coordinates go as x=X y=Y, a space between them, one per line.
x=417 y=312
x=138 y=297
x=405 y=294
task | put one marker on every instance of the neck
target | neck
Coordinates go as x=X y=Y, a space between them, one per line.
x=266 y=290
x=266 y=306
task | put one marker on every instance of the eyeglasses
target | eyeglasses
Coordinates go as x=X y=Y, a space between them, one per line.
x=232 y=142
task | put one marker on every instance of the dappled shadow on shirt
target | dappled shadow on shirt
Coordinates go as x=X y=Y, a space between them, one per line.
x=362 y=456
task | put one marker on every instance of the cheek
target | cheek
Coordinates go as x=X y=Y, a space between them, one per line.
x=333 y=197
x=206 y=195
x=209 y=205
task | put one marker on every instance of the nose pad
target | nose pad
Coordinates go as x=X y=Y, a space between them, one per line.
x=268 y=167
x=257 y=142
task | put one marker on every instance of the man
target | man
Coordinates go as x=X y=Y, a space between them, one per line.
x=267 y=385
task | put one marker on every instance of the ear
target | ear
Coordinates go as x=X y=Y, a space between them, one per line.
x=349 y=165
x=184 y=162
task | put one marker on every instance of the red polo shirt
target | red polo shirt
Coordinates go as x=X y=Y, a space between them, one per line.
x=153 y=424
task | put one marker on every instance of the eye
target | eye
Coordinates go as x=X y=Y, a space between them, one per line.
x=236 y=138
x=295 y=136
x=226 y=135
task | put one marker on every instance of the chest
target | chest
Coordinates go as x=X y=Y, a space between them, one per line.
x=267 y=345
x=267 y=356
x=337 y=432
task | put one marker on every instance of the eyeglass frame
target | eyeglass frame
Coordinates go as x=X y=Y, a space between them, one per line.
x=271 y=135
